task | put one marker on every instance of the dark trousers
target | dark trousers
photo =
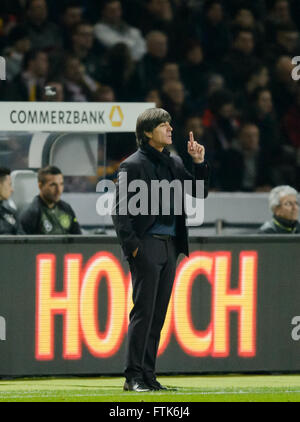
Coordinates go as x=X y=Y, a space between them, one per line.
x=152 y=271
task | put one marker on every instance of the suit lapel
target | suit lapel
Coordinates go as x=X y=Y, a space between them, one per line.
x=148 y=167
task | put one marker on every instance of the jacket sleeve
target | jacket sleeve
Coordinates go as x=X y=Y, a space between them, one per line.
x=201 y=172
x=75 y=226
x=121 y=218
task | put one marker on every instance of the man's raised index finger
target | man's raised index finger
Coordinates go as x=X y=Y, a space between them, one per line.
x=191 y=136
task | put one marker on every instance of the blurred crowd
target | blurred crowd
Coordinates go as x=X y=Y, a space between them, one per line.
x=222 y=69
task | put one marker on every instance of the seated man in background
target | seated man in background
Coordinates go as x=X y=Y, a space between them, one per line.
x=9 y=222
x=48 y=214
x=284 y=204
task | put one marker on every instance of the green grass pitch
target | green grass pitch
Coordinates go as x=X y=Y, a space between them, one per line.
x=205 y=388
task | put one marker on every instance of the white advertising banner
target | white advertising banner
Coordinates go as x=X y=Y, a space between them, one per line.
x=70 y=117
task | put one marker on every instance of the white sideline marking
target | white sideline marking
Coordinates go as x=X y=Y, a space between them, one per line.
x=153 y=394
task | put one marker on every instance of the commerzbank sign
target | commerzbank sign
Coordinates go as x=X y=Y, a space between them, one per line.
x=70 y=117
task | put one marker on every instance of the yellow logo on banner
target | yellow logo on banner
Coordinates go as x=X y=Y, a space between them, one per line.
x=116 y=116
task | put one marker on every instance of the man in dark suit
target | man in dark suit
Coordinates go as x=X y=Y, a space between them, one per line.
x=151 y=241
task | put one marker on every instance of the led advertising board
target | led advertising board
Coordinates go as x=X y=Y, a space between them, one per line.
x=65 y=302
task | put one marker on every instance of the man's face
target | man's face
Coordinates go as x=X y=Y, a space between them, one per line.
x=194 y=124
x=113 y=12
x=5 y=188
x=215 y=13
x=244 y=42
x=84 y=36
x=161 y=8
x=282 y=11
x=157 y=45
x=161 y=136
x=52 y=189
x=227 y=111
x=38 y=11
x=288 y=208
x=175 y=91
x=245 y=18
x=265 y=102
x=170 y=71
x=40 y=65
x=72 y=16
x=249 y=138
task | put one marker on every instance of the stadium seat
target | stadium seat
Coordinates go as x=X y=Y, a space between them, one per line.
x=25 y=187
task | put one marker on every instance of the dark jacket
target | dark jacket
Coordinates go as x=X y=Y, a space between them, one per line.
x=131 y=228
x=9 y=221
x=31 y=219
x=280 y=226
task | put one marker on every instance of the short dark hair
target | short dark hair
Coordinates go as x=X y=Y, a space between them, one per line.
x=148 y=121
x=4 y=171
x=219 y=98
x=43 y=172
x=31 y=55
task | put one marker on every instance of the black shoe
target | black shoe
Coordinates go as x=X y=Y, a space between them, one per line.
x=136 y=385
x=155 y=385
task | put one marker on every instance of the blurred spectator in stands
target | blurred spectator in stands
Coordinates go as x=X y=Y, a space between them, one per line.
x=263 y=115
x=286 y=43
x=121 y=74
x=169 y=72
x=258 y=78
x=244 y=18
x=195 y=72
x=284 y=205
x=104 y=94
x=78 y=85
x=291 y=121
x=48 y=214
x=282 y=85
x=150 y=65
x=211 y=29
x=157 y=14
x=82 y=42
x=257 y=7
x=216 y=82
x=153 y=96
x=241 y=166
x=173 y=98
x=112 y=29
x=43 y=34
x=53 y=91
x=9 y=221
x=221 y=120
x=71 y=15
x=29 y=84
x=240 y=59
x=291 y=131
x=280 y=13
x=18 y=46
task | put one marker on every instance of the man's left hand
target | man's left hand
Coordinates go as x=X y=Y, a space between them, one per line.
x=195 y=150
